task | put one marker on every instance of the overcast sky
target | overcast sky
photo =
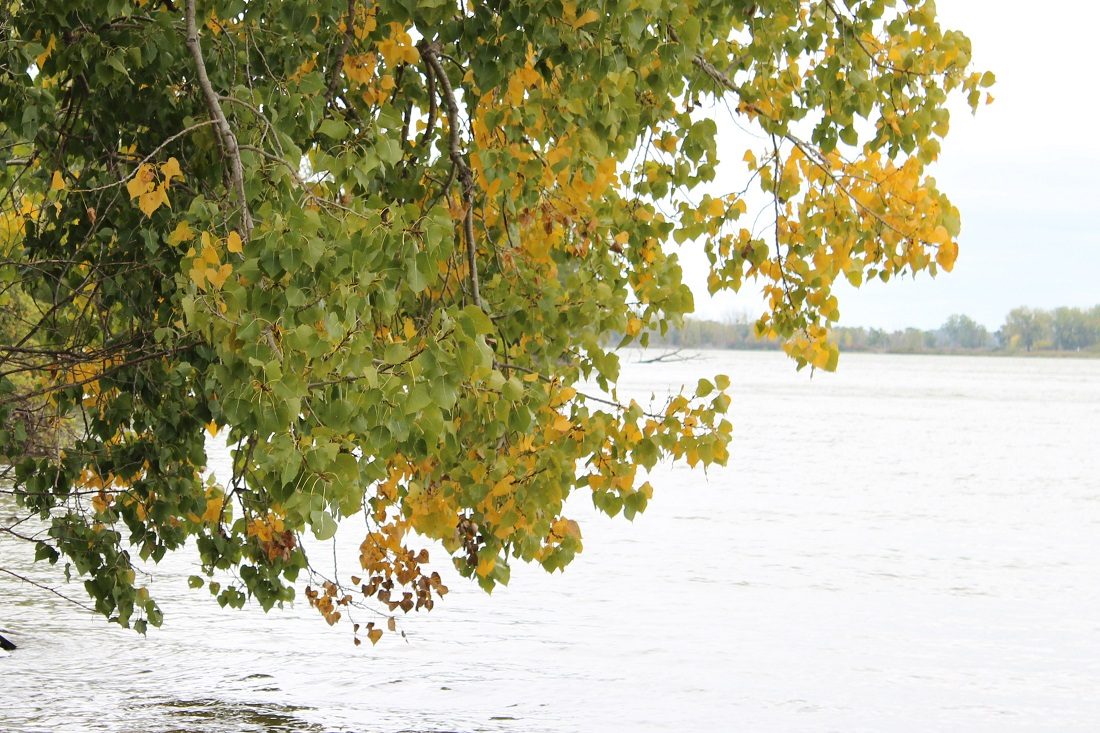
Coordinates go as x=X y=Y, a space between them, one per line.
x=1025 y=173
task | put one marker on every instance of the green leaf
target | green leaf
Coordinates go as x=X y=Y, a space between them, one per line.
x=324 y=528
x=334 y=129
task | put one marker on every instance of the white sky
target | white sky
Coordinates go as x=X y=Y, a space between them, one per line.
x=1025 y=173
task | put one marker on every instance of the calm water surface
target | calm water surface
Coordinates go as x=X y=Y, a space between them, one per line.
x=911 y=544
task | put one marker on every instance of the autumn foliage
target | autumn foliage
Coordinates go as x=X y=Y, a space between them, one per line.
x=386 y=249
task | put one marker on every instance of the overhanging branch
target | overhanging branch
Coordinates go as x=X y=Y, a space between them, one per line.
x=225 y=133
x=430 y=53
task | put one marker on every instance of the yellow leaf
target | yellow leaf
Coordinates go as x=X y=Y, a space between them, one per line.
x=41 y=58
x=152 y=200
x=233 y=243
x=218 y=277
x=566 y=528
x=57 y=183
x=213 y=510
x=502 y=487
x=946 y=255
x=588 y=17
x=306 y=67
x=716 y=207
x=100 y=502
x=182 y=233
x=374 y=635
x=485 y=565
x=171 y=169
x=563 y=395
x=667 y=143
x=209 y=252
x=212 y=428
x=142 y=182
x=633 y=326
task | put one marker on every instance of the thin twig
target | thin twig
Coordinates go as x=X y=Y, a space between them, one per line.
x=146 y=159
x=57 y=593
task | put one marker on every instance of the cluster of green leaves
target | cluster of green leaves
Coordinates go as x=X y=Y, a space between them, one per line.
x=380 y=245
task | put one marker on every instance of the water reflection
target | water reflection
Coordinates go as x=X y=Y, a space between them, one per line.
x=208 y=715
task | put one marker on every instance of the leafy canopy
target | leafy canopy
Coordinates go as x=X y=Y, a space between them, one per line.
x=381 y=245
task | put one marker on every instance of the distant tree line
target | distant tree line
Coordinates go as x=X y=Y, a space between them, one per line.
x=1024 y=330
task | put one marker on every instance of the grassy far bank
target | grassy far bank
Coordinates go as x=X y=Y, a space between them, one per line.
x=1061 y=332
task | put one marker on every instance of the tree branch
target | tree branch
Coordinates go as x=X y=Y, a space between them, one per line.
x=229 y=141
x=338 y=67
x=430 y=54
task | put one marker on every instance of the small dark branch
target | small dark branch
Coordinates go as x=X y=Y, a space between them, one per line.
x=669 y=356
x=170 y=139
x=405 y=123
x=338 y=67
x=430 y=53
x=433 y=109
x=225 y=132
x=57 y=593
x=348 y=107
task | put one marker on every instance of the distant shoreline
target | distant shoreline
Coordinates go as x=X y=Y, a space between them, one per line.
x=995 y=353
x=1061 y=333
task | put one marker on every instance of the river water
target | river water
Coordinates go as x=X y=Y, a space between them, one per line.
x=910 y=544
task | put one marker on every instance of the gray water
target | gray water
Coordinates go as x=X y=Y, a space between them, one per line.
x=911 y=544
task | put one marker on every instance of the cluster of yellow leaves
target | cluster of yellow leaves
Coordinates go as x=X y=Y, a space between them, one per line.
x=151 y=190
x=106 y=486
x=207 y=270
x=87 y=374
x=265 y=527
x=275 y=540
x=815 y=348
x=360 y=68
x=365 y=21
x=397 y=48
x=858 y=218
x=522 y=79
x=13 y=223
